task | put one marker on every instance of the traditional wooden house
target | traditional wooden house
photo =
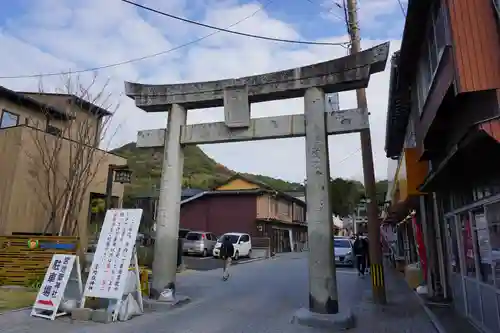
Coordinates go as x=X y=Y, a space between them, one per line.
x=245 y=205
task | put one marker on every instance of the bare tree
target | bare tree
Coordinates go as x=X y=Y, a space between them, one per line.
x=66 y=157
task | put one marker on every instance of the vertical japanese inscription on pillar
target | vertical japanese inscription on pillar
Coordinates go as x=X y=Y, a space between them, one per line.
x=236 y=107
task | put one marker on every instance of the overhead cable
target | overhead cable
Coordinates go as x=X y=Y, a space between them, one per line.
x=402 y=8
x=232 y=31
x=121 y=63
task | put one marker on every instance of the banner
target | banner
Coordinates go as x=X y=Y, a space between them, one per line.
x=419 y=238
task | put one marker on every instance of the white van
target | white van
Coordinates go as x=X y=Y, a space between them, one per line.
x=242 y=245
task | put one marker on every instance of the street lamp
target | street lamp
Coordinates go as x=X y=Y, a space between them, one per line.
x=122 y=174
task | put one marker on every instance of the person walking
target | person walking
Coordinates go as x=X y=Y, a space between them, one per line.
x=360 y=248
x=226 y=253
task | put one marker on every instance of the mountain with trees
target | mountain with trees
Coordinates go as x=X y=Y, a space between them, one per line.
x=201 y=171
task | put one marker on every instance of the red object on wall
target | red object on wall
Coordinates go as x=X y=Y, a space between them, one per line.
x=419 y=236
x=469 y=248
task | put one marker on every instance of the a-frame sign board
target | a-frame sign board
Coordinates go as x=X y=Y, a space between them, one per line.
x=63 y=269
x=113 y=257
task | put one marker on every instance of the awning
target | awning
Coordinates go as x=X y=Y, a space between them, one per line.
x=476 y=155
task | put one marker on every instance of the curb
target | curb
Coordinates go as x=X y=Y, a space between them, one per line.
x=15 y=310
x=434 y=320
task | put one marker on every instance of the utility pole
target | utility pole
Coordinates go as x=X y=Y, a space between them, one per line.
x=376 y=264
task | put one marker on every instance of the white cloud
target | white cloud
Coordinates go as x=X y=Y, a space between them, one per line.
x=90 y=33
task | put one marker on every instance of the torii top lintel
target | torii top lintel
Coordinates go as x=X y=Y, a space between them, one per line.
x=341 y=74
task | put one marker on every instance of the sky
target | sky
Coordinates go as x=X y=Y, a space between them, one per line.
x=53 y=36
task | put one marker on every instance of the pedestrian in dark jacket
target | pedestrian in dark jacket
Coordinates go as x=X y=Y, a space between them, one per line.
x=226 y=253
x=360 y=248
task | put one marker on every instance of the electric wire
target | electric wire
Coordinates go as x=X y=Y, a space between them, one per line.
x=125 y=62
x=232 y=31
x=402 y=7
x=330 y=11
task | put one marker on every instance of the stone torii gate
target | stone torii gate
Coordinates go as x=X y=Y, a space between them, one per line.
x=236 y=95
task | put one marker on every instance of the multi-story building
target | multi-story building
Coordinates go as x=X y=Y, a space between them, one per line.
x=246 y=205
x=49 y=145
x=443 y=128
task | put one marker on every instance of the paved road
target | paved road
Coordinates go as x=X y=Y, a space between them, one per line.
x=207 y=263
x=259 y=297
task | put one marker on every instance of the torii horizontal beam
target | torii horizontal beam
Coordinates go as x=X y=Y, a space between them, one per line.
x=341 y=74
x=288 y=126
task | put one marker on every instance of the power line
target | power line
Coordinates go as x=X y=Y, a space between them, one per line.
x=402 y=7
x=232 y=31
x=351 y=154
x=94 y=69
x=330 y=11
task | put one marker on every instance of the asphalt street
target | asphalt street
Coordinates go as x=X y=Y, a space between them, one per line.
x=207 y=263
x=260 y=296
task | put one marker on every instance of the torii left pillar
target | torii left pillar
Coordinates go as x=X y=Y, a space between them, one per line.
x=167 y=228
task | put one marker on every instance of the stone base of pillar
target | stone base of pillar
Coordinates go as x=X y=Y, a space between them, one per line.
x=338 y=322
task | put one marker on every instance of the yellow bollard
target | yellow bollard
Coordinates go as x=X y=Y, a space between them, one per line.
x=144 y=278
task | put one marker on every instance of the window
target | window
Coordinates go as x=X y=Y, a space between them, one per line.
x=493 y=223
x=432 y=48
x=233 y=238
x=193 y=236
x=483 y=246
x=440 y=31
x=421 y=83
x=245 y=238
x=410 y=141
x=9 y=119
x=342 y=243
x=468 y=245
x=425 y=76
x=283 y=207
x=453 y=247
x=435 y=41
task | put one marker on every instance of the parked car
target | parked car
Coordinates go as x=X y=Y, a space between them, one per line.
x=199 y=242
x=242 y=245
x=343 y=251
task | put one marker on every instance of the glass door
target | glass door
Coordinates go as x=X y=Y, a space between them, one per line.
x=455 y=265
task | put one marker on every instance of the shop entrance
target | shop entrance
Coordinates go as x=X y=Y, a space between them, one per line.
x=474 y=263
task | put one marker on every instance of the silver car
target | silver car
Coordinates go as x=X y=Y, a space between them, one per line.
x=199 y=242
x=343 y=251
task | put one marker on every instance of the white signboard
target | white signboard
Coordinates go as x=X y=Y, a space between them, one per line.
x=108 y=273
x=54 y=284
x=332 y=102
